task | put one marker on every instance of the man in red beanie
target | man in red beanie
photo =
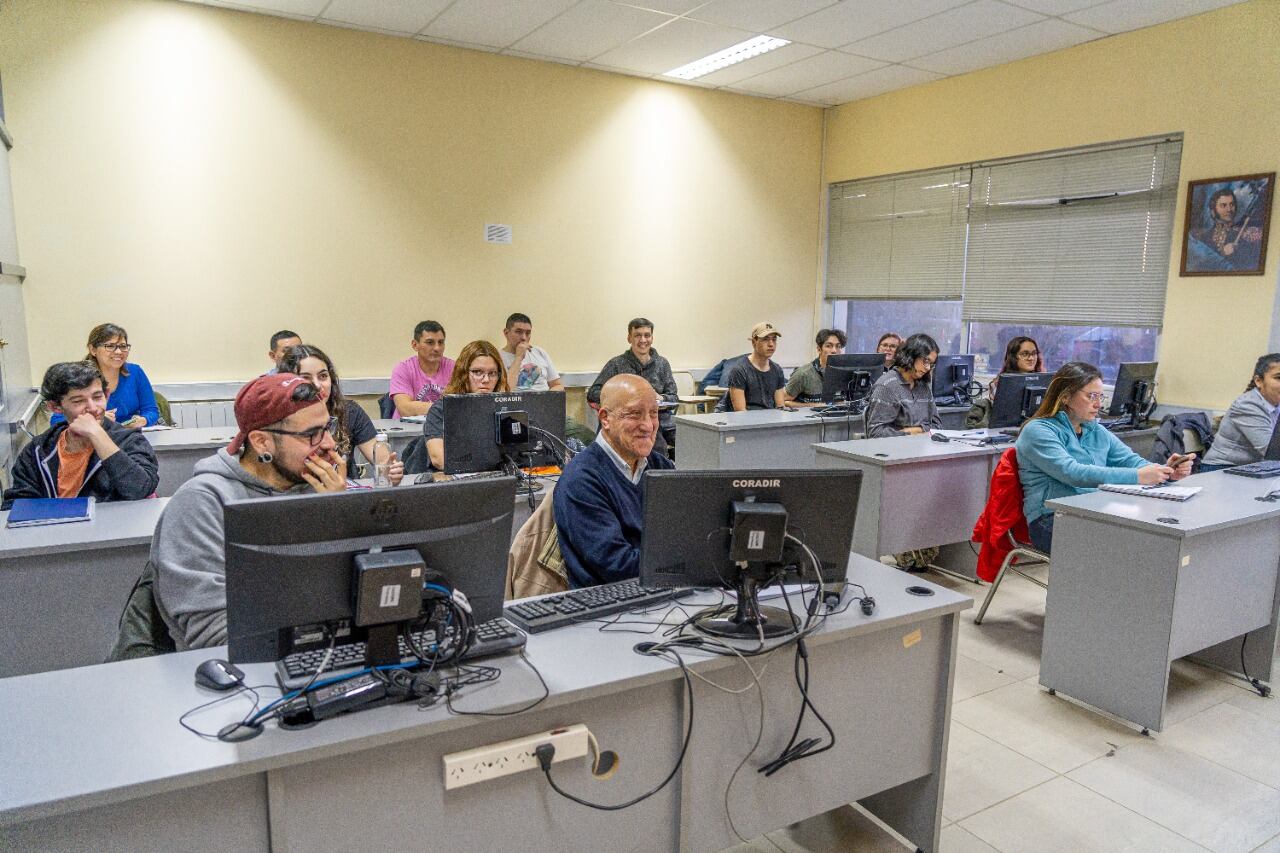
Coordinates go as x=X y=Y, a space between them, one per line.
x=284 y=446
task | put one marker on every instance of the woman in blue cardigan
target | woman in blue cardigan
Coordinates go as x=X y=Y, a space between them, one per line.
x=1062 y=450
x=130 y=400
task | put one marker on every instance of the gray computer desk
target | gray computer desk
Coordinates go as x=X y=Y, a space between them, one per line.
x=760 y=438
x=916 y=492
x=178 y=450
x=95 y=759
x=63 y=586
x=1136 y=583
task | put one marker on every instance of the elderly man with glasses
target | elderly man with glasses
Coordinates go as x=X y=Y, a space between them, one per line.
x=284 y=446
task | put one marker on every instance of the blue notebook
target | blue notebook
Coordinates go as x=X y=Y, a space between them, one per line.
x=35 y=512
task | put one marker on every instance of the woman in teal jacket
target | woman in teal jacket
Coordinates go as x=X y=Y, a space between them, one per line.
x=1062 y=450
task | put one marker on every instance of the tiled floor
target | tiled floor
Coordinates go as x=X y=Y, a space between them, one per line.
x=1027 y=771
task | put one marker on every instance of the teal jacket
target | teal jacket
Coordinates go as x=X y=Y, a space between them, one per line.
x=1053 y=462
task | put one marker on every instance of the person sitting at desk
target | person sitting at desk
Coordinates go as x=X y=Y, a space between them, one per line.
x=597 y=503
x=888 y=344
x=353 y=428
x=1021 y=355
x=804 y=388
x=1062 y=450
x=281 y=341
x=284 y=446
x=1247 y=427
x=642 y=360
x=416 y=383
x=901 y=401
x=756 y=382
x=130 y=400
x=478 y=370
x=86 y=454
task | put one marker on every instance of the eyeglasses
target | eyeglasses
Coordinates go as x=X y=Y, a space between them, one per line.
x=1094 y=396
x=483 y=374
x=314 y=436
x=1029 y=355
x=117 y=347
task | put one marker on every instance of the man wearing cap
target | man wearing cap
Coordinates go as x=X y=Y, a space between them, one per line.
x=756 y=382
x=284 y=446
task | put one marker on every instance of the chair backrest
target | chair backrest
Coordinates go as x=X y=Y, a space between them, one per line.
x=142 y=630
x=386 y=406
x=162 y=404
x=534 y=563
x=685 y=386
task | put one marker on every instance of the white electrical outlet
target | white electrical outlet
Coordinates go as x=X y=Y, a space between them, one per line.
x=512 y=756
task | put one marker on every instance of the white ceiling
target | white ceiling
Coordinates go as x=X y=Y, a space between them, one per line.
x=841 y=51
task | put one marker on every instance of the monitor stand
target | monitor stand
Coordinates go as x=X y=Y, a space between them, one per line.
x=750 y=621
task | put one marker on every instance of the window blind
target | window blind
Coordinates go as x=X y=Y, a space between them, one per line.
x=1075 y=239
x=898 y=238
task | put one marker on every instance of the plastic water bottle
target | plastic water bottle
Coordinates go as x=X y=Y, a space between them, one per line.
x=381 y=467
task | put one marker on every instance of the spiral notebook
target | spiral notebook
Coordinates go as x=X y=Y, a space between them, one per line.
x=1164 y=493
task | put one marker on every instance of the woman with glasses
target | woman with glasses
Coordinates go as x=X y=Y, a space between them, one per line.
x=1021 y=355
x=901 y=401
x=478 y=370
x=1063 y=451
x=130 y=400
x=350 y=426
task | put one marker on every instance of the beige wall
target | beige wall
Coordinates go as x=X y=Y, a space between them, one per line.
x=204 y=177
x=1214 y=77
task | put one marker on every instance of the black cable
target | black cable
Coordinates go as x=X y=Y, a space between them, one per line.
x=1263 y=690
x=546 y=751
x=240 y=691
x=452 y=688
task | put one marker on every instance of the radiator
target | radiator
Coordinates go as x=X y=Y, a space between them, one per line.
x=205 y=413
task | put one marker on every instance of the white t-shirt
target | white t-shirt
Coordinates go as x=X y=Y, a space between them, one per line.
x=536 y=371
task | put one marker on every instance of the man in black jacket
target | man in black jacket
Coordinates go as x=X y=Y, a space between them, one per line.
x=643 y=360
x=88 y=455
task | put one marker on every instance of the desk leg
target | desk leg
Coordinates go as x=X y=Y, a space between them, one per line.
x=914 y=808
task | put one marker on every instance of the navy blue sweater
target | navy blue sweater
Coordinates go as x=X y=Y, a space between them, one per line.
x=599 y=518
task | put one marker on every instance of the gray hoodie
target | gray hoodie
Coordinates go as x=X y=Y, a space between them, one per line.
x=188 y=553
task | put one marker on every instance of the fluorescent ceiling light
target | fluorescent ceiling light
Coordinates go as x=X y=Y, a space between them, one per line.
x=728 y=56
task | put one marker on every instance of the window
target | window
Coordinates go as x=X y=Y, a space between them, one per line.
x=1103 y=346
x=1071 y=249
x=865 y=320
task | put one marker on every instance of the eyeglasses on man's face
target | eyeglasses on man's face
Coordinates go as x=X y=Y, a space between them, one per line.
x=313 y=436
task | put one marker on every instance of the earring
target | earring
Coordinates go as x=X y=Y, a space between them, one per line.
x=265 y=458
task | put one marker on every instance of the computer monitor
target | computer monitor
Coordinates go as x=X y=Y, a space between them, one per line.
x=952 y=376
x=1134 y=390
x=1273 y=447
x=726 y=529
x=1018 y=395
x=483 y=431
x=293 y=581
x=850 y=376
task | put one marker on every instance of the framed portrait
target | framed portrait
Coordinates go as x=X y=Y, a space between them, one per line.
x=1225 y=232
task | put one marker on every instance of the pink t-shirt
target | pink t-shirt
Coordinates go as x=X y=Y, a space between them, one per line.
x=408 y=378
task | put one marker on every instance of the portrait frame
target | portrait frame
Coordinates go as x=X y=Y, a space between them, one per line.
x=1212 y=245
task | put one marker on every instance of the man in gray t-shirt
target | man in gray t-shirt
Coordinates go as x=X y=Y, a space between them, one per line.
x=756 y=382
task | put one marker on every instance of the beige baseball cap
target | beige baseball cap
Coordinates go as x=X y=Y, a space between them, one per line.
x=764 y=330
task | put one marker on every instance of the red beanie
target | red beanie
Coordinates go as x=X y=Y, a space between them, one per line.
x=265 y=401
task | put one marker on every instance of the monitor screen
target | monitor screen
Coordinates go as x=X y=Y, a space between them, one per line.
x=687 y=518
x=471 y=431
x=1273 y=448
x=1134 y=389
x=290 y=560
x=952 y=376
x=1018 y=395
x=851 y=375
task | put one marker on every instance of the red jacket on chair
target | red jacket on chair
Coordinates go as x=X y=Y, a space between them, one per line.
x=1002 y=513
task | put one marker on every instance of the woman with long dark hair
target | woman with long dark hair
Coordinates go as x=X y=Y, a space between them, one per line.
x=1021 y=355
x=901 y=401
x=1247 y=427
x=352 y=428
x=1063 y=450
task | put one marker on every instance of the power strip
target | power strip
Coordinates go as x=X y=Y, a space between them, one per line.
x=512 y=756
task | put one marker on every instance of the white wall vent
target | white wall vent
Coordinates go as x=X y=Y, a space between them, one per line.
x=497 y=234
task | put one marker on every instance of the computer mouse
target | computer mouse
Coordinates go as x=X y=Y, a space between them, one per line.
x=216 y=674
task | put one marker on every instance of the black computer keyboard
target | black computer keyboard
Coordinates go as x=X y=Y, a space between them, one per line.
x=495 y=637
x=1258 y=470
x=581 y=605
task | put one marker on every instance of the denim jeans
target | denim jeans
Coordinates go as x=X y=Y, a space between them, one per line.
x=1042 y=532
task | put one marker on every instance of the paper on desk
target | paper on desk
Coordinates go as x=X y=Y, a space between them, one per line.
x=960 y=433
x=157 y=428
